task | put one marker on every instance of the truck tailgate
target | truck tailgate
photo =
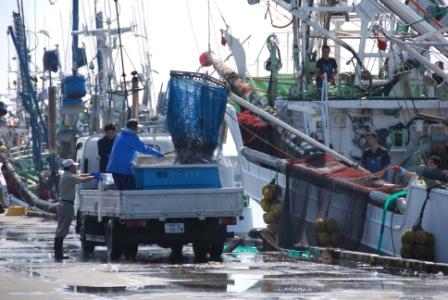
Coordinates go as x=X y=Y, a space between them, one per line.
x=163 y=204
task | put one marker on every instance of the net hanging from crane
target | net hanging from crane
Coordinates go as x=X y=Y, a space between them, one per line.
x=196 y=105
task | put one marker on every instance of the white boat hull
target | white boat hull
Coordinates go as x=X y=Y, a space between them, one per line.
x=435 y=218
x=435 y=221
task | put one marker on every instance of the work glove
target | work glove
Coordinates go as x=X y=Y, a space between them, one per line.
x=97 y=176
x=331 y=80
x=400 y=170
x=321 y=76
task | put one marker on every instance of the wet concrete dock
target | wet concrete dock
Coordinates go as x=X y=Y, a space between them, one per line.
x=27 y=271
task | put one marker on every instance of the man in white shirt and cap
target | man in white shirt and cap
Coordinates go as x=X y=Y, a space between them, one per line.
x=67 y=192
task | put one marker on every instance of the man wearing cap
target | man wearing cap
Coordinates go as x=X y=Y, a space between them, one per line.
x=375 y=158
x=67 y=193
x=120 y=162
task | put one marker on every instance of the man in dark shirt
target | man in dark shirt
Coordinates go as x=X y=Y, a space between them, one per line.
x=105 y=146
x=325 y=65
x=375 y=158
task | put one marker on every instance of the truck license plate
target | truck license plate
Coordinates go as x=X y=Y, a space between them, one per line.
x=174 y=228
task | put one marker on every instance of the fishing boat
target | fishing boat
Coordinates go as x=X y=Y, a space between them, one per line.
x=80 y=100
x=310 y=141
x=306 y=140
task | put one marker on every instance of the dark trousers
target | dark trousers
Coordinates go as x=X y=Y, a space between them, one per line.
x=65 y=217
x=124 y=182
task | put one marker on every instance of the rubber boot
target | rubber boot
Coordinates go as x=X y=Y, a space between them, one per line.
x=58 y=256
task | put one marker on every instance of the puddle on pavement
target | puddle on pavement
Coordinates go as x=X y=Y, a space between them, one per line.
x=26 y=250
x=112 y=290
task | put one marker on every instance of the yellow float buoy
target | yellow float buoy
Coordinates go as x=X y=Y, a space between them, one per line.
x=331 y=225
x=15 y=211
x=265 y=205
x=319 y=225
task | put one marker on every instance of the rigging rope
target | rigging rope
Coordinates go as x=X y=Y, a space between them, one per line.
x=191 y=26
x=418 y=223
x=282 y=26
x=220 y=13
x=208 y=25
x=268 y=13
x=217 y=43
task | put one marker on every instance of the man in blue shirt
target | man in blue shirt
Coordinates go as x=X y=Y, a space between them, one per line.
x=120 y=162
x=375 y=158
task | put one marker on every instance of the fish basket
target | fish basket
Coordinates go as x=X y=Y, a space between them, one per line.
x=176 y=177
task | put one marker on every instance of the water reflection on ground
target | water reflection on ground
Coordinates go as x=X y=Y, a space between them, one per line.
x=27 y=270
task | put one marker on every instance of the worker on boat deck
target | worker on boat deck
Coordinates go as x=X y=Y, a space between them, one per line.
x=434 y=163
x=105 y=145
x=439 y=147
x=375 y=158
x=437 y=78
x=123 y=152
x=67 y=190
x=325 y=65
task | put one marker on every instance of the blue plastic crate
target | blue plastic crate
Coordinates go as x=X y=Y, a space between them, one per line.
x=176 y=177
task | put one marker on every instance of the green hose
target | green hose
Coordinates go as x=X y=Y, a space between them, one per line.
x=390 y=199
x=291 y=253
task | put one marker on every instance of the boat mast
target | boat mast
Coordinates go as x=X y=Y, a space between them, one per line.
x=75 y=26
x=99 y=82
x=120 y=46
x=147 y=94
x=296 y=48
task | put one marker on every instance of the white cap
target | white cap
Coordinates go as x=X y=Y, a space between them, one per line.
x=69 y=162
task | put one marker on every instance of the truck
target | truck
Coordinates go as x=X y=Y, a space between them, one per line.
x=174 y=204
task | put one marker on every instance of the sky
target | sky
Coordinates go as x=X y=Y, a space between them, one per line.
x=176 y=32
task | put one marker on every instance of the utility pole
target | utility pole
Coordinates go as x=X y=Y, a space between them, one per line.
x=52 y=148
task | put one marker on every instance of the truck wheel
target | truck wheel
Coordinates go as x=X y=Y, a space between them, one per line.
x=176 y=252
x=130 y=251
x=200 y=249
x=113 y=243
x=87 y=246
x=215 y=251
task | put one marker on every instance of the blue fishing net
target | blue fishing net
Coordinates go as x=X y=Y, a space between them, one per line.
x=195 y=110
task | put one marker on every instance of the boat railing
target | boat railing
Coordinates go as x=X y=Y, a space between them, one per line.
x=21 y=151
x=325 y=115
